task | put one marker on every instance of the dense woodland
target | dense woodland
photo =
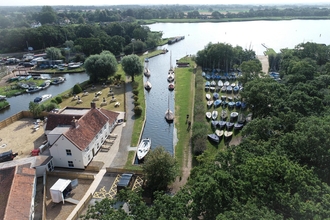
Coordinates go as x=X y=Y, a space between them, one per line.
x=280 y=170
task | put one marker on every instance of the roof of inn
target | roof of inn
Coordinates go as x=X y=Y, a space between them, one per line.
x=87 y=127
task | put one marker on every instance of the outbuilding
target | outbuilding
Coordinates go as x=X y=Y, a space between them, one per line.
x=60 y=190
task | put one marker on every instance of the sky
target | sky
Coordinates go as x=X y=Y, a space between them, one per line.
x=143 y=2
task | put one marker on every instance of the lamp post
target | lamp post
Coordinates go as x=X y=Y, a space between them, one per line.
x=133 y=40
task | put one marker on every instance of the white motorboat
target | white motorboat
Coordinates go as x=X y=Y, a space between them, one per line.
x=2 y=97
x=208 y=96
x=208 y=115
x=143 y=148
x=42 y=98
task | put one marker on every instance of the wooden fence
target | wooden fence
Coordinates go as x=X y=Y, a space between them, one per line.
x=18 y=116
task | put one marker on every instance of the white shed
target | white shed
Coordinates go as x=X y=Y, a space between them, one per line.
x=60 y=190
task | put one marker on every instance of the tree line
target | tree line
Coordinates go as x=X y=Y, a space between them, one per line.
x=15 y=17
x=117 y=37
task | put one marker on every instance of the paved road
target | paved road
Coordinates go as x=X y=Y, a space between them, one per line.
x=127 y=131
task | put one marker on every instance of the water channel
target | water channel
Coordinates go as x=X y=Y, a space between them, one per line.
x=251 y=34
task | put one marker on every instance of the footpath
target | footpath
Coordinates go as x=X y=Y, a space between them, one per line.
x=116 y=157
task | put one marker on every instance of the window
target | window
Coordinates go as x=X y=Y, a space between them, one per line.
x=70 y=164
x=97 y=136
x=68 y=152
x=89 y=157
x=98 y=145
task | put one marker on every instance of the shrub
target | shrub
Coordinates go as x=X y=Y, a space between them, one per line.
x=58 y=99
x=77 y=89
x=136 y=103
x=136 y=92
x=138 y=110
x=136 y=98
x=135 y=85
x=53 y=101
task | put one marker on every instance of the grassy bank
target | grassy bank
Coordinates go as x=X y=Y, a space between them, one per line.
x=184 y=99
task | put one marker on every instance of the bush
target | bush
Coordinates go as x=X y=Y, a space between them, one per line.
x=136 y=92
x=51 y=106
x=58 y=99
x=138 y=110
x=53 y=101
x=77 y=89
x=136 y=98
x=136 y=103
x=135 y=85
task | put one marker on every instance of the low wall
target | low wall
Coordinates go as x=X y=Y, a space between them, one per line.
x=71 y=175
x=82 y=208
x=123 y=170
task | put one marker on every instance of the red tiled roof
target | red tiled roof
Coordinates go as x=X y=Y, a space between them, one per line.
x=88 y=126
x=20 y=197
x=54 y=120
x=6 y=179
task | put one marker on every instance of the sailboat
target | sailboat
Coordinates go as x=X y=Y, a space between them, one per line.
x=169 y=115
x=170 y=76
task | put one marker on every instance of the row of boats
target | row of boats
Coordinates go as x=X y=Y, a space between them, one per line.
x=33 y=88
x=223 y=101
x=223 y=86
x=218 y=76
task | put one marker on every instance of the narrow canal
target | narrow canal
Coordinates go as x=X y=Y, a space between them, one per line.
x=158 y=100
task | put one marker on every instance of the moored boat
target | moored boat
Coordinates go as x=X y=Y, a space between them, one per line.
x=209 y=103
x=143 y=148
x=217 y=103
x=214 y=138
x=147 y=85
x=208 y=115
x=233 y=115
x=220 y=83
x=222 y=124
x=238 y=126
x=229 y=125
x=223 y=114
x=33 y=89
x=214 y=114
x=2 y=97
x=208 y=96
x=171 y=86
x=219 y=133
x=146 y=72
x=42 y=98
x=228 y=134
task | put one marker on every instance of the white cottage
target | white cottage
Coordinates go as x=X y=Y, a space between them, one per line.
x=75 y=135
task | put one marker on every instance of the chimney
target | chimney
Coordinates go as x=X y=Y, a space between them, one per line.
x=93 y=105
x=74 y=122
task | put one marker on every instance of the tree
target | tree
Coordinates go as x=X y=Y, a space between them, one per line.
x=53 y=53
x=132 y=65
x=160 y=169
x=47 y=15
x=101 y=66
x=251 y=70
x=34 y=109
